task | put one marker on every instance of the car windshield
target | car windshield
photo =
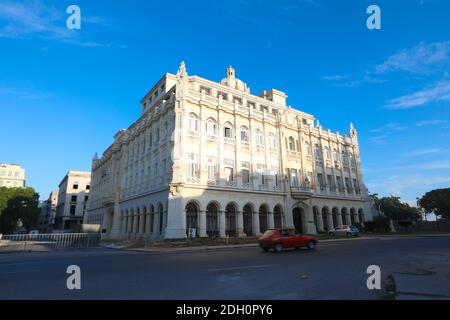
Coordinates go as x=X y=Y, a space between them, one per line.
x=268 y=233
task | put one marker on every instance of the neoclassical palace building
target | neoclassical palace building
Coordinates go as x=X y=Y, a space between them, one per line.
x=211 y=159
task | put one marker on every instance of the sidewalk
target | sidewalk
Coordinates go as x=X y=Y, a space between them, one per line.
x=221 y=247
x=160 y=248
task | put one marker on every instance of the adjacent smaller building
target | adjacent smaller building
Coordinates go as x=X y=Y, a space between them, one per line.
x=12 y=175
x=72 y=197
x=48 y=213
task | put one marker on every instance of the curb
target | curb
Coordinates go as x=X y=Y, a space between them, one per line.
x=224 y=247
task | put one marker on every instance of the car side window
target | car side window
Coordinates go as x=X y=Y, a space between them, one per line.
x=284 y=233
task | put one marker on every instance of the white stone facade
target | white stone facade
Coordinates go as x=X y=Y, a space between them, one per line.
x=48 y=213
x=73 y=196
x=12 y=176
x=213 y=157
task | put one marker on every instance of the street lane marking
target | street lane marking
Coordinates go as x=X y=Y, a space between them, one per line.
x=244 y=267
x=23 y=271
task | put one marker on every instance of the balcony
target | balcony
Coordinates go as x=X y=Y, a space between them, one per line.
x=302 y=193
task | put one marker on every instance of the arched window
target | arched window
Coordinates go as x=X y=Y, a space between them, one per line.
x=272 y=140
x=193 y=122
x=228 y=130
x=291 y=144
x=211 y=127
x=245 y=137
x=259 y=138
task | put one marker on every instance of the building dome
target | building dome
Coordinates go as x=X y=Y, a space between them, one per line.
x=233 y=82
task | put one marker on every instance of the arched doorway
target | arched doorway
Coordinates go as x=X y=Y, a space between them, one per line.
x=230 y=220
x=192 y=211
x=152 y=218
x=324 y=215
x=212 y=212
x=161 y=218
x=263 y=216
x=278 y=216
x=298 y=221
x=335 y=212
x=247 y=213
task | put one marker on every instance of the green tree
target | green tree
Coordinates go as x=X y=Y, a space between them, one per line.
x=437 y=202
x=397 y=210
x=15 y=204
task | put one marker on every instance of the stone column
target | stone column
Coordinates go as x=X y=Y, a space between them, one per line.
x=320 y=223
x=136 y=224
x=240 y=224
x=255 y=228
x=309 y=221
x=357 y=219
x=124 y=224
x=148 y=226
x=142 y=223
x=349 y=218
x=271 y=221
x=222 y=225
x=339 y=219
x=202 y=225
x=330 y=221
x=131 y=225
x=155 y=233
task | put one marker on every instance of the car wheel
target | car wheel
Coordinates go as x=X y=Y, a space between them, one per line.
x=265 y=249
x=331 y=233
x=311 y=245
x=349 y=234
x=279 y=248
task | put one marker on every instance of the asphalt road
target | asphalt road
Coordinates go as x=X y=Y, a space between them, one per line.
x=333 y=271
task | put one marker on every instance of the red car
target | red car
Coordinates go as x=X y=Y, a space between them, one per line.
x=279 y=239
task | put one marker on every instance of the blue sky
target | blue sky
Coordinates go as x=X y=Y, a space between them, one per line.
x=65 y=93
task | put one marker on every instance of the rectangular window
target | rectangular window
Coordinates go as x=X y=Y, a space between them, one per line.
x=73 y=199
x=331 y=183
x=320 y=181
x=229 y=174
x=75 y=187
x=212 y=168
x=245 y=176
x=227 y=132
x=193 y=166
x=88 y=187
x=355 y=184
x=339 y=183
x=86 y=198
x=73 y=209
x=294 y=177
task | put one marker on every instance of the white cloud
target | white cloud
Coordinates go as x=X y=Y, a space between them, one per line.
x=20 y=19
x=437 y=93
x=430 y=123
x=391 y=126
x=378 y=140
x=423 y=152
x=422 y=59
x=337 y=77
x=398 y=184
